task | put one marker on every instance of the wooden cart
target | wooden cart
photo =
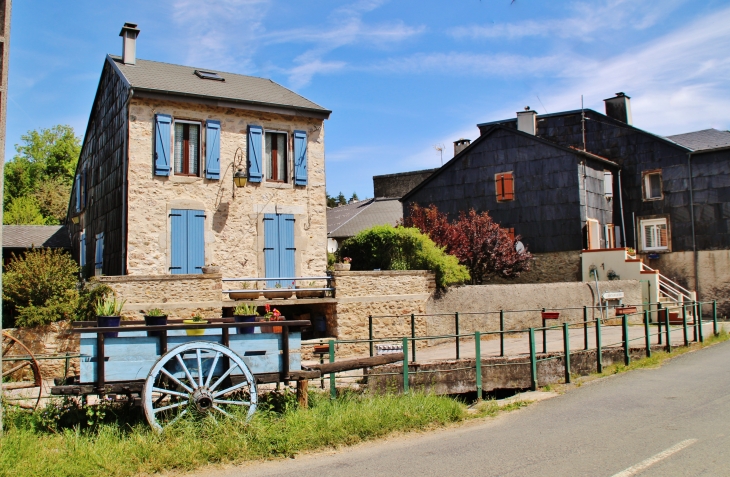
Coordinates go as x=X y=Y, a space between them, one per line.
x=170 y=373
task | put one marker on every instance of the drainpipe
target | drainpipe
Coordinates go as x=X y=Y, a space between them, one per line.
x=692 y=218
x=621 y=202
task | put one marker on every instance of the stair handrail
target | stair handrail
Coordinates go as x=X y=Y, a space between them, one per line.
x=664 y=280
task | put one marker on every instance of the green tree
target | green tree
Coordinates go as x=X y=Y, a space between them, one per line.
x=354 y=198
x=43 y=168
x=23 y=211
x=341 y=199
x=331 y=201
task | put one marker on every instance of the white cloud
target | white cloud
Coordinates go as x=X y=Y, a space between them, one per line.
x=586 y=18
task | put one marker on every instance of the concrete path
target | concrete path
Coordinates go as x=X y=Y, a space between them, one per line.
x=670 y=421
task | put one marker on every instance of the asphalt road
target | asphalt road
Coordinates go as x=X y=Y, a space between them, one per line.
x=670 y=421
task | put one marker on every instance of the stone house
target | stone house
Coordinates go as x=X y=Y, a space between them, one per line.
x=666 y=197
x=155 y=195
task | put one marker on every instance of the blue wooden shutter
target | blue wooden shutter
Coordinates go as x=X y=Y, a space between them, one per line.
x=99 y=255
x=77 y=193
x=82 y=250
x=84 y=189
x=212 y=150
x=300 y=158
x=255 y=134
x=196 y=241
x=162 y=144
x=271 y=248
x=286 y=246
x=178 y=241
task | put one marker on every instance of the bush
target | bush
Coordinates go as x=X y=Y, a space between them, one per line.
x=40 y=287
x=386 y=247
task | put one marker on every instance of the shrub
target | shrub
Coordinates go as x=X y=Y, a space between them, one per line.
x=40 y=287
x=386 y=247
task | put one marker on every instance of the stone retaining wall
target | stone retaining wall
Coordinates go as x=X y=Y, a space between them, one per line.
x=53 y=339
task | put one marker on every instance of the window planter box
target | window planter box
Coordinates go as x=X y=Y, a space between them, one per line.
x=246 y=295
x=278 y=293
x=550 y=315
x=625 y=310
x=310 y=293
x=210 y=270
x=342 y=267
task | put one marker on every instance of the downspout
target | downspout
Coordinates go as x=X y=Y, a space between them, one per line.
x=621 y=203
x=692 y=218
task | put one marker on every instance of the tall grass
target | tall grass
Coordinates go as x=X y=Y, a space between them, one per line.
x=127 y=449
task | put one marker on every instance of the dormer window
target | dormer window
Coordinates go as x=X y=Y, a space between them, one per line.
x=209 y=75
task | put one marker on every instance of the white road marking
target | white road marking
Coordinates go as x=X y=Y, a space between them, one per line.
x=644 y=464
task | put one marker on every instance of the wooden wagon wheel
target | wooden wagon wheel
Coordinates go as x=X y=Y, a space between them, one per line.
x=22 y=382
x=199 y=377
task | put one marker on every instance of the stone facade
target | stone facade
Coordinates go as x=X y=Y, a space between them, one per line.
x=548 y=267
x=234 y=226
x=55 y=339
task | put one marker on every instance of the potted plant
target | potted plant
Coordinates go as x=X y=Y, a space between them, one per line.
x=109 y=314
x=245 y=313
x=155 y=317
x=278 y=292
x=196 y=319
x=245 y=295
x=310 y=293
x=211 y=269
x=271 y=315
x=344 y=265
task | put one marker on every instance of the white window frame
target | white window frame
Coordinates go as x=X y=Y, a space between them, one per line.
x=643 y=223
x=646 y=182
x=201 y=165
x=596 y=226
x=265 y=162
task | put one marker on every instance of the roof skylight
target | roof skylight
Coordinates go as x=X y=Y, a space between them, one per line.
x=209 y=75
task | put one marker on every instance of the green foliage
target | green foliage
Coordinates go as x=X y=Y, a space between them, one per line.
x=245 y=309
x=331 y=260
x=155 y=312
x=331 y=201
x=40 y=287
x=108 y=306
x=23 y=211
x=89 y=295
x=386 y=247
x=43 y=169
x=341 y=200
x=115 y=444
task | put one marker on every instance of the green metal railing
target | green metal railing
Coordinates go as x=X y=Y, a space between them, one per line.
x=663 y=334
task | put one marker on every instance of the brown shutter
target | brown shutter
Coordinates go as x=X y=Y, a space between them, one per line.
x=511 y=233
x=500 y=186
x=508 y=187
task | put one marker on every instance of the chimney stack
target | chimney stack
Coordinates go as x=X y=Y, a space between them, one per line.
x=527 y=121
x=129 y=43
x=619 y=108
x=460 y=145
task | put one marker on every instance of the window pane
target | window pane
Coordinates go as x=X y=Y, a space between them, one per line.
x=193 y=149
x=655 y=186
x=267 y=157
x=281 y=156
x=179 y=131
x=648 y=236
x=662 y=235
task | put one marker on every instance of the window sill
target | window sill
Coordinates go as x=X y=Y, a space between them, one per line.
x=278 y=185
x=185 y=179
x=653 y=199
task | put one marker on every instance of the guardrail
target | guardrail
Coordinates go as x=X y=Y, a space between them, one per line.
x=274 y=281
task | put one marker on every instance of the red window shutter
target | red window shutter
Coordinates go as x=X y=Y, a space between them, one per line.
x=508 y=187
x=511 y=233
x=500 y=186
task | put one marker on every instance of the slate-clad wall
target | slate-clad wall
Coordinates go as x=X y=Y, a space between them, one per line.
x=546 y=207
x=103 y=157
x=711 y=195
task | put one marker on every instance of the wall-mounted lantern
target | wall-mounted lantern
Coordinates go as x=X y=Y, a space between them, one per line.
x=240 y=178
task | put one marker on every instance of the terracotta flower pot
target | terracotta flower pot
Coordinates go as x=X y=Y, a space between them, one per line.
x=245 y=295
x=342 y=267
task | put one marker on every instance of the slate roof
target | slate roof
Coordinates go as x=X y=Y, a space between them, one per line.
x=167 y=78
x=702 y=140
x=27 y=236
x=348 y=220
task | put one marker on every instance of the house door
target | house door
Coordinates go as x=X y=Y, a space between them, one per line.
x=279 y=248
x=610 y=235
x=187 y=241
x=593 y=227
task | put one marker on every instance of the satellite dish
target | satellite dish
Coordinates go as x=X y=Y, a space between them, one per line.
x=519 y=247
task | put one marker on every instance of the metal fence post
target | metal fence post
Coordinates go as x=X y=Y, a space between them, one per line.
x=456 y=326
x=599 y=356
x=370 y=334
x=501 y=332
x=647 y=337
x=405 y=366
x=684 y=324
x=669 y=336
x=544 y=335
x=333 y=384
x=659 y=322
x=478 y=353
x=698 y=319
x=625 y=325
x=714 y=317
x=413 y=336
x=585 y=327
x=566 y=350
x=533 y=363
x=695 y=335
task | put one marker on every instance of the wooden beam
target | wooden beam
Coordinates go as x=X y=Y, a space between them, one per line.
x=350 y=364
x=303 y=393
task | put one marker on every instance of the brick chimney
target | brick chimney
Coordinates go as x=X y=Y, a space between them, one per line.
x=619 y=108
x=129 y=43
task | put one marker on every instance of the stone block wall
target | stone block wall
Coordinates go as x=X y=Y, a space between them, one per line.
x=53 y=339
x=177 y=295
x=548 y=268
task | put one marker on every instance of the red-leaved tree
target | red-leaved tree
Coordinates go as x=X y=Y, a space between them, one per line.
x=475 y=239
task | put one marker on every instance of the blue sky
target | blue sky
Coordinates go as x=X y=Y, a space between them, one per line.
x=400 y=77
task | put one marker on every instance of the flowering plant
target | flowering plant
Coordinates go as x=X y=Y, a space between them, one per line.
x=196 y=317
x=346 y=259
x=272 y=315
